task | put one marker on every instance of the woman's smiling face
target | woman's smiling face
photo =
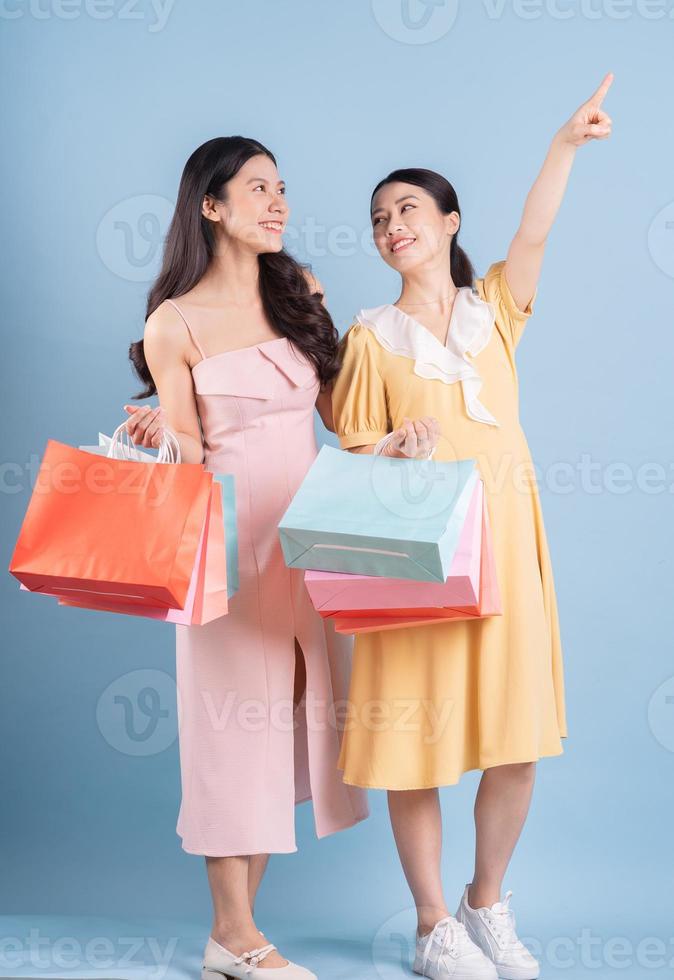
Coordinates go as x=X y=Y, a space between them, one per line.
x=408 y=227
x=255 y=211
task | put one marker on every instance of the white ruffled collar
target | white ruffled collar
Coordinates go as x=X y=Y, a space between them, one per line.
x=470 y=329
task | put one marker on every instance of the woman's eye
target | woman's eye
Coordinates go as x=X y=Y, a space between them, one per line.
x=376 y=222
x=258 y=187
x=404 y=207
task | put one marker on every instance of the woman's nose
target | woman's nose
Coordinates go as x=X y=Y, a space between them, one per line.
x=278 y=205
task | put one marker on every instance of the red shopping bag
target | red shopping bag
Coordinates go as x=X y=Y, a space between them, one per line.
x=368 y=621
x=112 y=527
x=207 y=594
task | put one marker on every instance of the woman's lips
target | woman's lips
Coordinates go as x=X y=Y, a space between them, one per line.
x=402 y=244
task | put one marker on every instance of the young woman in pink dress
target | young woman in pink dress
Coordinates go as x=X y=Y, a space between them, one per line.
x=240 y=351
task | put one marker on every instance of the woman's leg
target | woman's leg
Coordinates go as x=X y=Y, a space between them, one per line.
x=233 y=925
x=234 y=881
x=257 y=865
x=300 y=681
x=258 y=862
x=501 y=807
x=417 y=827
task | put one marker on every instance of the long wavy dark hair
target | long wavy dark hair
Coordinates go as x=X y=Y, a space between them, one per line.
x=291 y=307
x=444 y=195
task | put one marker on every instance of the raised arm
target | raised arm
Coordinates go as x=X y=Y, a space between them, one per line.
x=525 y=255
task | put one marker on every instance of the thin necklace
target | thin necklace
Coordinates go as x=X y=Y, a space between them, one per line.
x=424 y=327
x=431 y=301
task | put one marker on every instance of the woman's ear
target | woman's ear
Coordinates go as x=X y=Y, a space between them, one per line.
x=208 y=209
x=452 y=223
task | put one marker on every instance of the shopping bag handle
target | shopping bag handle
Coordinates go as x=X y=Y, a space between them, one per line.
x=124 y=448
x=384 y=441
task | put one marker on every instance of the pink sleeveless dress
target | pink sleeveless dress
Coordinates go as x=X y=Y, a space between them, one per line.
x=246 y=757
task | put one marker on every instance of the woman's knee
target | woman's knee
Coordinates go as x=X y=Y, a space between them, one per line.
x=516 y=770
x=300 y=681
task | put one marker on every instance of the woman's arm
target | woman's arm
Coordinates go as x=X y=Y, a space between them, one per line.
x=525 y=255
x=324 y=406
x=164 y=344
x=324 y=397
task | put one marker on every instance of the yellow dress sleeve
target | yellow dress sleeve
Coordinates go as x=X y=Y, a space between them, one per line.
x=510 y=320
x=359 y=403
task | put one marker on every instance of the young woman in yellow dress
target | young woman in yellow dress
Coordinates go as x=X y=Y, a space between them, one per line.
x=434 y=372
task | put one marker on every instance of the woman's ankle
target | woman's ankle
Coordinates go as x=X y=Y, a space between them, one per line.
x=235 y=930
x=483 y=894
x=428 y=917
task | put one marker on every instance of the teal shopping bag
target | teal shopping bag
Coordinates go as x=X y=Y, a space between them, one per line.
x=226 y=481
x=377 y=515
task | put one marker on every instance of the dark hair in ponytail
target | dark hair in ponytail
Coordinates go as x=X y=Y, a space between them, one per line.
x=445 y=197
x=290 y=305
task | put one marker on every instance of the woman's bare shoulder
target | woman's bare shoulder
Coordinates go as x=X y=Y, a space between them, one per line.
x=165 y=331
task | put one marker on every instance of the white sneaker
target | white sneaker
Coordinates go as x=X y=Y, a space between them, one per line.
x=448 y=952
x=219 y=962
x=493 y=930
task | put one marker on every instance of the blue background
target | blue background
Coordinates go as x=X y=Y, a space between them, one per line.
x=100 y=115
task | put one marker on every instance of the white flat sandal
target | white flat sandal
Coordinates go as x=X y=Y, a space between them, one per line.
x=220 y=962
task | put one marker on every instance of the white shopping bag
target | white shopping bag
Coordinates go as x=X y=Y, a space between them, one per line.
x=124 y=449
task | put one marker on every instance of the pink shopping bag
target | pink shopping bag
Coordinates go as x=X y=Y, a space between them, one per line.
x=344 y=592
x=382 y=619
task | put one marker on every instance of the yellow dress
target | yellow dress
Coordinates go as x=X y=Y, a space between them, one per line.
x=428 y=703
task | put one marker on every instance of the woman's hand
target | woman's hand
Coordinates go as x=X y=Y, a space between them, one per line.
x=146 y=425
x=589 y=122
x=525 y=254
x=414 y=440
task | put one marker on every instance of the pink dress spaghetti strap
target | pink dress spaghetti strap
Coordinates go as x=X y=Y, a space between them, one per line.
x=246 y=758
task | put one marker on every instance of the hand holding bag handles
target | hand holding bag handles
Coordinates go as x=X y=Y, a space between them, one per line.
x=385 y=440
x=125 y=448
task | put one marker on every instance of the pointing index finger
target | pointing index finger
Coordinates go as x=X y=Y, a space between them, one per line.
x=598 y=97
